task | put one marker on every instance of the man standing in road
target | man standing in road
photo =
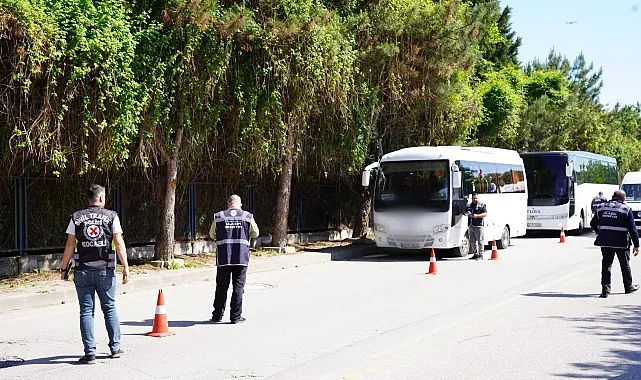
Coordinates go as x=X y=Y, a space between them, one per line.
x=95 y=229
x=476 y=212
x=596 y=201
x=231 y=229
x=614 y=224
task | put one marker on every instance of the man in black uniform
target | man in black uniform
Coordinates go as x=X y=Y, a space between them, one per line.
x=614 y=224
x=95 y=229
x=476 y=211
x=596 y=201
x=232 y=229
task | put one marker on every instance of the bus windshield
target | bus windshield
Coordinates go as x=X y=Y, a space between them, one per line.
x=547 y=183
x=632 y=191
x=422 y=185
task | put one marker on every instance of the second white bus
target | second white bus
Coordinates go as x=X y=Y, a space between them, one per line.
x=561 y=186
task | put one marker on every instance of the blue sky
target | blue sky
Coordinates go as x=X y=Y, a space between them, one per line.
x=608 y=32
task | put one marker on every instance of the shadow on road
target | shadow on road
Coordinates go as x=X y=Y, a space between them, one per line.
x=15 y=361
x=392 y=255
x=559 y=295
x=621 y=325
x=172 y=323
x=587 y=234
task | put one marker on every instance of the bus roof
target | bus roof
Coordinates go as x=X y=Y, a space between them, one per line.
x=571 y=153
x=474 y=153
x=631 y=178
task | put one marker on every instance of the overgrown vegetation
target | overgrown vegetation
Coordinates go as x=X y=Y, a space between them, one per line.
x=279 y=90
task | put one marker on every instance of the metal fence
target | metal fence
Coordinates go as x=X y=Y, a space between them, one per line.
x=34 y=212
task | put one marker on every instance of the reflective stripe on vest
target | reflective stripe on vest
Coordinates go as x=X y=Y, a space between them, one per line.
x=232 y=236
x=232 y=241
x=613 y=225
x=613 y=228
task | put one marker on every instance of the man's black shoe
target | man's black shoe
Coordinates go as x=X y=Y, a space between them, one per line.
x=239 y=320
x=633 y=289
x=216 y=318
x=604 y=294
x=475 y=257
x=87 y=359
x=116 y=354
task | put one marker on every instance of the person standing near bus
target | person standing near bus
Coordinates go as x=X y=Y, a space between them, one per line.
x=476 y=212
x=614 y=224
x=596 y=201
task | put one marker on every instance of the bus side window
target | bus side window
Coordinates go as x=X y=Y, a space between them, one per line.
x=506 y=178
x=488 y=178
x=518 y=179
x=468 y=174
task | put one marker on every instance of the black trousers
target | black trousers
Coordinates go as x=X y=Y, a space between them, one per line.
x=237 y=274
x=623 y=254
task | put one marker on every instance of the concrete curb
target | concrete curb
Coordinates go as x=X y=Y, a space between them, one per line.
x=162 y=279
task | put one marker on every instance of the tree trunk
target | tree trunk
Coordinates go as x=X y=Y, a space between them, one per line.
x=362 y=208
x=164 y=248
x=361 y=216
x=283 y=192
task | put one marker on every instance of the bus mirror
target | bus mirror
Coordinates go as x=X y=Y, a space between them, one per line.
x=366 y=174
x=569 y=170
x=456 y=180
x=456 y=177
x=365 y=178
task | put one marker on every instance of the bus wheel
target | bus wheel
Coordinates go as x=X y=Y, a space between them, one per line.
x=464 y=249
x=505 y=239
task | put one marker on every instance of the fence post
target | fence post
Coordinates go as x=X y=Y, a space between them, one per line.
x=191 y=195
x=299 y=211
x=118 y=202
x=250 y=198
x=339 y=205
x=20 y=213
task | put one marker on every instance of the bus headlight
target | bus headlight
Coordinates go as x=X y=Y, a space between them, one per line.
x=380 y=228
x=440 y=228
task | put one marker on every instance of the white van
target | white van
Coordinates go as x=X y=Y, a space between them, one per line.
x=631 y=184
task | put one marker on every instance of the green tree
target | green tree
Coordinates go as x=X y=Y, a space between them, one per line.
x=419 y=56
x=573 y=111
x=623 y=126
x=70 y=96
x=503 y=100
x=181 y=60
x=500 y=44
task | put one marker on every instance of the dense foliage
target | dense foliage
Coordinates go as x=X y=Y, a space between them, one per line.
x=281 y=89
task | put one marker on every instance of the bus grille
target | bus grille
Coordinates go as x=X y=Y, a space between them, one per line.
x=411 y=241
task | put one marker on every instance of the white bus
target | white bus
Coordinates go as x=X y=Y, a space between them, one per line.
x=420 y=196
x=561 y=186
x=631 y=184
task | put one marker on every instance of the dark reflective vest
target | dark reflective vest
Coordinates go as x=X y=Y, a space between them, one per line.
x=94 y=233
x=232 y=237
x=613 y=221
x=475 y=210
x=596 y=202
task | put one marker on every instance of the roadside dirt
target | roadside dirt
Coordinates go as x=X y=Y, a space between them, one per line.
x=42 y=280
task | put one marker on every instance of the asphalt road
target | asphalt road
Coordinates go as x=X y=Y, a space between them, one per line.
x=532 y=314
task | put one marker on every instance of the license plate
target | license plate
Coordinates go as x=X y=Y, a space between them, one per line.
x=534 y=224
x=411 y=245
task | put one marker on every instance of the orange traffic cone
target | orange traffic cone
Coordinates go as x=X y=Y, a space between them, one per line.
x=160 y=328
x=562 y=237
x=495 y=252
x=432 y=269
